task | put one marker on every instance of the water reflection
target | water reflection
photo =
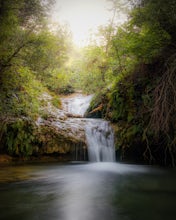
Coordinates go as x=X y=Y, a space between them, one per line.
x=87 y=192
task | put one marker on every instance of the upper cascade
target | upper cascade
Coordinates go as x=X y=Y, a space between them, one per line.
x=77 y=104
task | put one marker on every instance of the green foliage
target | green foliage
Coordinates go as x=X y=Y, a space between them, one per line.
x=122 y=101
x=98 y=105
x=23 y=98
x=19 y=137
x=159 y=14
x=139 y=100
x=92 y=71
x=147 y=41
x=58 y=81
x=33 y=57
x=55 y=101
x=48 y=53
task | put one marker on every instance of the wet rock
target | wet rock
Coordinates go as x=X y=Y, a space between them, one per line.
x=59 y=138
x=60 y=131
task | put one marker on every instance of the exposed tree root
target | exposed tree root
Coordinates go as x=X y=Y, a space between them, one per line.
x=163 y=113
x=147 y=153
x=164 y=110
x=99 y=108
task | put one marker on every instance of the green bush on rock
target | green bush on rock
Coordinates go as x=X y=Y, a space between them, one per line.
x=19 y=137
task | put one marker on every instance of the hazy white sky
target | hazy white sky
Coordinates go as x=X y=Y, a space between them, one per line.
x=82 y=16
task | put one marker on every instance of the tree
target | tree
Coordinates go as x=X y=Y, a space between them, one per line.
x=148 y=41
x=31 y=54
x=18 y=19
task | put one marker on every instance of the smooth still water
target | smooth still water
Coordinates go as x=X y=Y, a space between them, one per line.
x=92 y=191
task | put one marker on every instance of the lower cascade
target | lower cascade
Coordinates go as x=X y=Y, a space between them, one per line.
x=100 y=140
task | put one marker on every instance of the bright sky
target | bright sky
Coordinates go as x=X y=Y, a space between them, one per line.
x=82 y=16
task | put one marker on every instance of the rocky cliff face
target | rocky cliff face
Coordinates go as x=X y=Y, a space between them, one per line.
x=55 y=133
x=61 y=132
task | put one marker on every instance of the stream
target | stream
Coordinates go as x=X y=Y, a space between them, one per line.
x=87 y=191
x=97 y=190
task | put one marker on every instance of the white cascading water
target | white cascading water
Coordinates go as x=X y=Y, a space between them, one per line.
x=99 y=133
x=100 y=140
x=77 y=105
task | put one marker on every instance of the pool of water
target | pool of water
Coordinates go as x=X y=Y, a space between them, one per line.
x=87 y=191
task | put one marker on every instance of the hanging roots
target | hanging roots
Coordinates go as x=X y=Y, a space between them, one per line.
x=164 y=110
x=163 y=113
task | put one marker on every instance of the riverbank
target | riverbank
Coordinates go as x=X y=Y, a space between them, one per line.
x=5 y=159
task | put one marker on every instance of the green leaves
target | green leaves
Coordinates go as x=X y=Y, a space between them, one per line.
x=32 y=57
x=32 y=61
x=19 y=137
x=19 y=92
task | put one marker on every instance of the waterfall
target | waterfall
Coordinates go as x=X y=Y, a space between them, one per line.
x=99 y=134
x=100 y=140
x=77 y=105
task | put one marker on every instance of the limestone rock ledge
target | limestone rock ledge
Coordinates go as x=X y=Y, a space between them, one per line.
x=60 y=137
x=52 y=134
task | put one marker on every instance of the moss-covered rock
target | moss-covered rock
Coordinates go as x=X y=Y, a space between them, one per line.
x=22 y=137
x=98 y=106
x=52 y=138
x=130 y=106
